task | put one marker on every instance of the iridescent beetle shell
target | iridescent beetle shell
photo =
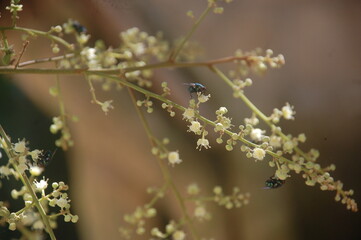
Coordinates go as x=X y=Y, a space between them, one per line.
x=195 y=88
x=78 y=27
x=45 y=158
x=274 y=182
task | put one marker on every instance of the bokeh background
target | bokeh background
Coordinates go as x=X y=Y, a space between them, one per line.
x=110 y=166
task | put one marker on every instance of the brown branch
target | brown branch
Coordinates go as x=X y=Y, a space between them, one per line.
x=26 y=43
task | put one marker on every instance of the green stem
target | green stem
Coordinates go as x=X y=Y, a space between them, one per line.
x=207 y=121
x=40 y=33
x=157 y=195
x=10 y=70
x=43 y=60
x=166 y=174
x=5 y=41
x=25 y=180
x=92 y=91
x=176 y=51
x=258 y=112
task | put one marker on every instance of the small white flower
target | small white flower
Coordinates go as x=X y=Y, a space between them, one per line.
x=35 y=154
x=22 y=167
x=173 y=158
x=203 y=98
x=35 y=170
x=200 y=212
x=20 y=146
x=288 y=146
x=107 y=105
x=288 y=112
x=74 y=218
x=5 y=171
x=275 y=141
x=259 y=153
x=83 y=38
x=29 y=217
x=22 y=160
x=14 y=194
x=12 y=226
x=302 y=137
x=195 y=127
x=61 y=202
x=188 y=113
x=219 y=127
x=38 y=224
x=42 y=185
x=257 y=134
x=57 y=125
x=222 y=110
x=193 y=189
x=282 y=174
x=179 y=235
x=139 y=48
x=67 y=218
x=203 y=142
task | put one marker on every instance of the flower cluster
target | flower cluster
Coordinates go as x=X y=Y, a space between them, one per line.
x=190 y=115
x=286 y=112
x=14 y=8
x=236 y=199
x=137 y=219
x=171 y=229
x=23 y=162
x=146 y=103
x=59 y=125
x=160 y=150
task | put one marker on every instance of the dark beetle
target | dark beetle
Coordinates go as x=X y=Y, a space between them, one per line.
x=274 y=182
x=78 y=27
x=45 y=158
x=195 y=88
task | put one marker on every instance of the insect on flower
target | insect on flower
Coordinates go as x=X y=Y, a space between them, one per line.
x=195 y=88
x=43 y=160
x=78 y=27
x=273 y=182
x=46 y=157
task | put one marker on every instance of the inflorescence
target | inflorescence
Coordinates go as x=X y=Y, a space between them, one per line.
x=131 y=65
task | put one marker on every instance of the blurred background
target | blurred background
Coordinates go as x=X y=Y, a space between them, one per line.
x=110 y=166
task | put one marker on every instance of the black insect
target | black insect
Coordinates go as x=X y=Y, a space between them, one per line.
x=274 y=182
x=195 y=88
x=78 y=27
x=45 y=158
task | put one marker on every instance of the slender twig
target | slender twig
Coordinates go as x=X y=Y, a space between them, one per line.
x=43 y=60
x=204 y=119
x=178 y=48
x=5 y=41
x=92 y=91
x=33 y=32
x=21 y=54
x=10 y=70
x=165 y=172
x=25 y=180
x=258 y=112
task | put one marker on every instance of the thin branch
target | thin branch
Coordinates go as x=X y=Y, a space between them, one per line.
x=25 y=180
x=10 y=70
x=33 y=32
x=26 y=43
x=176 y=51
x=43 y=60
x=165 y=172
